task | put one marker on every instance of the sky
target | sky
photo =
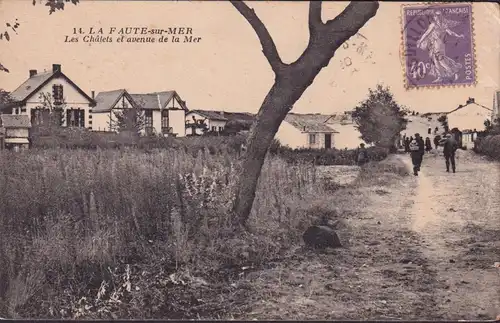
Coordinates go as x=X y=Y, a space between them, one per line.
x=226 y=70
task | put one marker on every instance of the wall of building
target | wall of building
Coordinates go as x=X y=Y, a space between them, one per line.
x=177 y=121
x=74 y=100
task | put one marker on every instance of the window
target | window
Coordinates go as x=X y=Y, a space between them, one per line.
x=164 y=121
x=214 y=128
x=57 y=94
x=23 y=109
x=75 y=118
x=39 y=115
x=312 y=139
x=221 y=129
x=148 y=121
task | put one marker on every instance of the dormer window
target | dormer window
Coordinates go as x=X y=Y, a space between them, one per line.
x=57 y=94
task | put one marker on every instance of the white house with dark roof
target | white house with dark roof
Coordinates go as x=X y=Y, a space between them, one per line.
x=215 y=121
x=164 y=112
x=76 y=104
x=306 y=131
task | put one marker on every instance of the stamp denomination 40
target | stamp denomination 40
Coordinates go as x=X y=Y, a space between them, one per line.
x=438 y=45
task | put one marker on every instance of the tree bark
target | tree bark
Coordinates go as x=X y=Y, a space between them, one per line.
x=290 y=83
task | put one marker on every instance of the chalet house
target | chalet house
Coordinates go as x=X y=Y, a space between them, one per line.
x=61 y=92
x=164 y=112
x=214 y=121
x=14 y=131
x=306 y=131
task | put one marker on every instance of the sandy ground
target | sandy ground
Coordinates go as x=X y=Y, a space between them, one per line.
x=417 y=248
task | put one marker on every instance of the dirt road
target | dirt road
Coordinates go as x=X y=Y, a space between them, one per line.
x=416 y=248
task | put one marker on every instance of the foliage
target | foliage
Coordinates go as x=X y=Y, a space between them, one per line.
x=51 y=114
x=443 y=119
x=326 y=157
x=5 y=97
x=379 y=118
x=488 y=145
x=128 y=119
x=197 y=124
x=106 y=233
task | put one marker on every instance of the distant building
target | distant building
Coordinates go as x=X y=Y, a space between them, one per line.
x=76 y=104
x=306 y=131
x=214 y=121
x=163 y=112
x=348 y=135
x=14 y=131
x=469 y=117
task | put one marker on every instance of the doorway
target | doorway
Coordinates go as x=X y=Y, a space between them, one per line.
x=328 y=140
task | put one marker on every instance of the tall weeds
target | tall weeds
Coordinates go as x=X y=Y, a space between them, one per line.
x=67 y=216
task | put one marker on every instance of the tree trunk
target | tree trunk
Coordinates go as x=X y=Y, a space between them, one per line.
x=286 y=90
x=290 y=83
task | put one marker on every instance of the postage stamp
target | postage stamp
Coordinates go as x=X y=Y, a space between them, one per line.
x=438 y=45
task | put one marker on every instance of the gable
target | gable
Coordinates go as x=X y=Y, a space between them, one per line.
x=30 y=90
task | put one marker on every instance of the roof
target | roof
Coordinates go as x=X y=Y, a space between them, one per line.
x=105 y=101
x=464 y=106
x=157 y=100
x=30 y=85
x=239 y=116
x=210 y=114
x=309 y=122
x=33 y=84
x=15 y=121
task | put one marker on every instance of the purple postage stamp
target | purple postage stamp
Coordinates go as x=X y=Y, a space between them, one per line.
x=438 y=45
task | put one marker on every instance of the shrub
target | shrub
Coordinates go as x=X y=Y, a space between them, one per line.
x=326 y=157
x=489 y=146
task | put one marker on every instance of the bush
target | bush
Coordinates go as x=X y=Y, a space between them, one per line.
x=326 y=157
x=80 y=138
x=489 y=146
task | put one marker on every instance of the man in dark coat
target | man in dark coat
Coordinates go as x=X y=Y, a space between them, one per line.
x=417 y=148
x=450 y=146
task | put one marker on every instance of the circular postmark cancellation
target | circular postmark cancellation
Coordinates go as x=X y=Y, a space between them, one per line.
x=438 y=45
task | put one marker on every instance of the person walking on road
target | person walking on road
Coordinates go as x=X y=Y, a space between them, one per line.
x=450 y=146
x=417 y=151
x=428 y=144
x=362 y=155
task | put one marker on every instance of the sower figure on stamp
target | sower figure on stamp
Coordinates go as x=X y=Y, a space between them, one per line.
x=417 y=148
x=450 y=147
x=443 y=67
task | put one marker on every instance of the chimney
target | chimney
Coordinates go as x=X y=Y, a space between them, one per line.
x=221 y=113
x=92 y=94
x=32 y=73
x=56 y=68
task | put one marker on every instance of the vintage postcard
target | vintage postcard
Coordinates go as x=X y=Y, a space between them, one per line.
x=249 y=160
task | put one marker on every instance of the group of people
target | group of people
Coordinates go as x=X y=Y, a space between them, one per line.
x=417 y=147
x=427 y=143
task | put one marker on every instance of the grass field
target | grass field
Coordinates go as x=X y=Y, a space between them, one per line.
x=130 y=232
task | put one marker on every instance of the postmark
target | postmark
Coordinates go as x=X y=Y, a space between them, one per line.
x=438 y=45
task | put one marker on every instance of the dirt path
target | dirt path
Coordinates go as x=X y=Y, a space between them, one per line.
x=416 y=248
x=459 y=215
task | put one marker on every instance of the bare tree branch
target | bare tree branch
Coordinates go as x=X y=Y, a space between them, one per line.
x=268 y=47
x=350 y=20
x=315 y=21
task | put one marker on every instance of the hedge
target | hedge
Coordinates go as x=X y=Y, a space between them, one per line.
x=488 y=146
